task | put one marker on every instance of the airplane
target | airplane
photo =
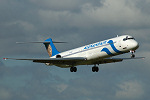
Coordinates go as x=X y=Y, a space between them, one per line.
x=93 y=54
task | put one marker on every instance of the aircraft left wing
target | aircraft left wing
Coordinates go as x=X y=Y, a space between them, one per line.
x=54 y=61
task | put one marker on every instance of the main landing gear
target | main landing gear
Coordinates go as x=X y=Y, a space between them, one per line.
x=73 y=69
x=95 y=68
x=132 y=54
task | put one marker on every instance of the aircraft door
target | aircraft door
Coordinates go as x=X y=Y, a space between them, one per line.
x=122 y=45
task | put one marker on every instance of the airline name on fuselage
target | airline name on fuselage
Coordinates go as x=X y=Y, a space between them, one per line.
x=95 y=45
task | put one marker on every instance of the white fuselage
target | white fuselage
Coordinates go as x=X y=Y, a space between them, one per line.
x=103 y=49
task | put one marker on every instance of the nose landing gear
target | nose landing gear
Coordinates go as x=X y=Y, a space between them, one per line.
x=132 y=53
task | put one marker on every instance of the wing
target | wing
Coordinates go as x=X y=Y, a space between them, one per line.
x=74 y=61
x=55 y=61
x=113 y=60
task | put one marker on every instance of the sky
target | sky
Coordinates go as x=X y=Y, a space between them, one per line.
x=78 y=22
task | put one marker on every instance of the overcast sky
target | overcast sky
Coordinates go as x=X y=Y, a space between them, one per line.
x=78 y=22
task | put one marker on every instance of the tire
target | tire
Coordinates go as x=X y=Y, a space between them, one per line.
x=73 y=69
x=97 y=69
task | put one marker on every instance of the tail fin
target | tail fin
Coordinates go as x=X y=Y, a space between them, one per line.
x=51 y=49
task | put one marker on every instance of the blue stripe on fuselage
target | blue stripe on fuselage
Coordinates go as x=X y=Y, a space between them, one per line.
x=113 y=47
x=107 y=51
x=111 y=43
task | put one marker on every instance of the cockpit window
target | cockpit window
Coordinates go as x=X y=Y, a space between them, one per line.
x=128 y=38
x=131 y=38
x=124 y=39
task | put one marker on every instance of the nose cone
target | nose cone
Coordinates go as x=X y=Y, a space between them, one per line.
x=135 y=45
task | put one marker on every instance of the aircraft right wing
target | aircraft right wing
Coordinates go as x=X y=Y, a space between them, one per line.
x=113 y=60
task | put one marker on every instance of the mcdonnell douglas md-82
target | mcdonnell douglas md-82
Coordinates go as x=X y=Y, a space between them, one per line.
x=93 y=54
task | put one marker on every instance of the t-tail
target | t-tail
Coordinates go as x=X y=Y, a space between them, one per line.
x=50 y=47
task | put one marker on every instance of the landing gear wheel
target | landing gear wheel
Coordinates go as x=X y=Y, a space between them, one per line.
x=132 y=56
x=73 y=69
x=95 y=69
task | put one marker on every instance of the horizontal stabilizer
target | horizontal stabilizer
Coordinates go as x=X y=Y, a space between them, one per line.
x=38 y=42
x=70 y=58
